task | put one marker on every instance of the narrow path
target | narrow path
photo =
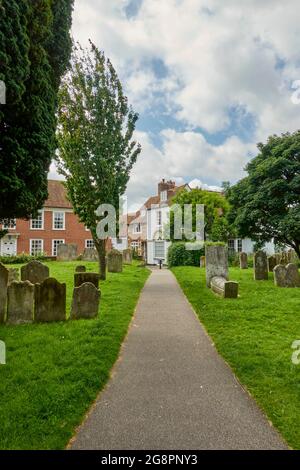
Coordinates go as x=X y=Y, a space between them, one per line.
x=170 y=389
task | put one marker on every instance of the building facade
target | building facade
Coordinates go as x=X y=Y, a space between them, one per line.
x=56 y=223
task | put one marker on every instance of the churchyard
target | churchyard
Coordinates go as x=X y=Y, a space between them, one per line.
x=254 y=333
x=54 y=370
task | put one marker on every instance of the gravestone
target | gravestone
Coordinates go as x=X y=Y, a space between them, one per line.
x=82 y=277
x=284 y=258
x=202 y=261
x=66 y=252
x=260 y=266
x=90 y=254
x=85 y=303
x=292 y=278
x=280 y=275
x=227 y=289
x=271 y=263
x=243 y=260
x=127 y=256
x=13 y=275
x=50 y=301
x=34 y=272
x=278 y=258
x=80 y=269
x=114 y=261
x=3 y=291
x=216 y=257
x=20 y=302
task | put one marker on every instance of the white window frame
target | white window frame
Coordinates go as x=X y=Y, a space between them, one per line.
x=164 y=196
x=53 y=220
x=36 y=240
x=89 y=240
x=239 y=245
x=9 y=227
x=159 y=218
x=137 y=228
x=56 y=240
x=38 y=228
x=135 y=245
x=161 y=243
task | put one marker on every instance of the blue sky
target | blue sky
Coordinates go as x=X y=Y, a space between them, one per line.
x=209 y=78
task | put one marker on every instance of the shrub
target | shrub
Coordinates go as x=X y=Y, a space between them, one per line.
x=178 y=255
x=21 y=259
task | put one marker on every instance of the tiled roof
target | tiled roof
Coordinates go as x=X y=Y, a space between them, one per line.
x=57 y=195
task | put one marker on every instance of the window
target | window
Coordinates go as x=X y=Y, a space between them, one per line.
x=137 y=228
x=55 y=244
x=10 y=224
x=158 y=218
x=239 y=245
x=159 y=249
x=36 y=247
x=89 y=244
x=58 y=220
x=134 y=245
x=38 y=222
x=119 y=241
x=231 y=248
x=163 y=195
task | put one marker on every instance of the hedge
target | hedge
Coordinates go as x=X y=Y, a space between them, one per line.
x=178 y=255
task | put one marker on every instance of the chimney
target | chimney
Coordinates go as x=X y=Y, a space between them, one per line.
x=164 y=185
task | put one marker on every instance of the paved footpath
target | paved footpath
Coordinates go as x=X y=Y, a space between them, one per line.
x=170 y=389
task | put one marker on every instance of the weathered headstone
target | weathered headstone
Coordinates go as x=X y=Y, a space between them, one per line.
x=243 y=260
x=20 y=302
x=216 y=257
x=271 y=263
x=90 y=254
x=66 y=252
x=280 y=275
x=260 y=266
x=13 y=275
x=115 y=261
x=127 y=256
x=278 y=258
x=82 y=277
x=85 y=303
x=34 y=272
x=50 y=301
x=292 y=275
x=3 y=291
x=80 y=269
x=202 y=261
x=227 y=289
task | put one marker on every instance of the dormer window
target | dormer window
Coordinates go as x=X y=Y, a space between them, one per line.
x=163 y=196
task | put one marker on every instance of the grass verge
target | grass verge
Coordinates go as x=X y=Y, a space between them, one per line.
x=55 y=371
x=254 y=334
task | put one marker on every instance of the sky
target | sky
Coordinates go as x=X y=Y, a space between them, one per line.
x=209 y=79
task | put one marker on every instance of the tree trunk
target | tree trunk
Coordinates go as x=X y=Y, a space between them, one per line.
x=101 y=250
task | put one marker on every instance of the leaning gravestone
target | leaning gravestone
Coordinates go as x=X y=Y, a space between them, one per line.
x=20 y=302
x=280 y=275
x=260 y=266
x=81 y=278
x=202 y=261
x=50 y=301
x=216 y=257
x=85 y=303
x=271 y=263
x=243 y=260
x=127 y=256
x=80 y=269
x=227 y=289
x=34 y=272
x=292 y=278
x=3 y=291
x=90 y=254
x=66 y=252
x=115 y=261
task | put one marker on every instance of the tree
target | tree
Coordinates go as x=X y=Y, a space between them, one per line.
x=266 y=203
x=215 y=210
x=35 y=50
x=96 y=150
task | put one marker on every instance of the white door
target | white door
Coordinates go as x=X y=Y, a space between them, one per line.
x=8 y=247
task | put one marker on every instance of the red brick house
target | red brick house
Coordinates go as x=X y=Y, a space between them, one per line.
x=56 y=223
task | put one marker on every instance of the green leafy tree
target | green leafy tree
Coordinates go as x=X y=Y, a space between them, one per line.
x=96 y=150
x=266 y=203
x=34 y=53
x=216 y=207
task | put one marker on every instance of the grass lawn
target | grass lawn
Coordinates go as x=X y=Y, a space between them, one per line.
x=55 y=371
x=254 y=334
